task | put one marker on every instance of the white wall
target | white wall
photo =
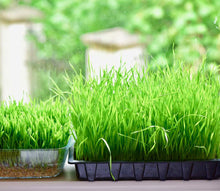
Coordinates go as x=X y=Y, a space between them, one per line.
x=14 y=77
x=100 y=59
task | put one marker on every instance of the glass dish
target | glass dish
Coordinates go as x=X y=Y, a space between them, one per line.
x=32 y=163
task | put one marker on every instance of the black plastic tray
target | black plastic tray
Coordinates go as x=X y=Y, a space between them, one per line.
x=167 y=170
x=148 y=170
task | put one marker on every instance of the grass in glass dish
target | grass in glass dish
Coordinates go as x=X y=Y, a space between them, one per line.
x=33 y=139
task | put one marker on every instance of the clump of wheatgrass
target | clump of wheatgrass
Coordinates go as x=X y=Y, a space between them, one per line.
x=34 y=125
x=172 y=114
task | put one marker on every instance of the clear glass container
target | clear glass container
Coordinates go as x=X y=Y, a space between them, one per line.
x=32 y=163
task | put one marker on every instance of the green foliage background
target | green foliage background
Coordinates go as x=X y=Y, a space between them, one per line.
x=191 y=28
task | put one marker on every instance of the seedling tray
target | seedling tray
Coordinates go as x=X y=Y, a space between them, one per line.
x=185 y=170
x=32 y=163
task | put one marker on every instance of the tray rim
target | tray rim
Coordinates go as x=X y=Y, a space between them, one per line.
x=169 y=161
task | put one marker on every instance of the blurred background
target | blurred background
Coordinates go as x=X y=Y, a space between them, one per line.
x=168 y=29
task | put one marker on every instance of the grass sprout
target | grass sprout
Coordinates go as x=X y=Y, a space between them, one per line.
x=34 y=126
x=170 y=114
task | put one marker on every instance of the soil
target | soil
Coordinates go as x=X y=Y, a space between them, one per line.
x=17 y=172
